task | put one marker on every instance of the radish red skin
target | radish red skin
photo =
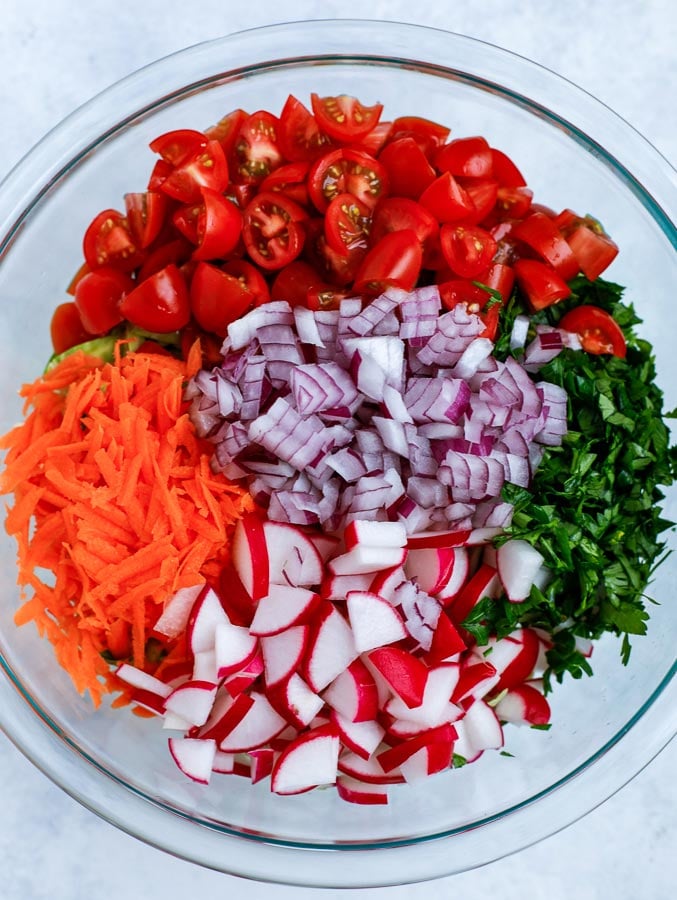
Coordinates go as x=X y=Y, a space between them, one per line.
x=406 y=674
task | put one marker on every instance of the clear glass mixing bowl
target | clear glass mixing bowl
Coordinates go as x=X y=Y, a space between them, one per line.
x=575 y=152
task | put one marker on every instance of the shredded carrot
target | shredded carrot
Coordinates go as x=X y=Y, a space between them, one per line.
x=115 y=508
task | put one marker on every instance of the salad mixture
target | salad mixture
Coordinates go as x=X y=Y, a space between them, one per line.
x=345 y=452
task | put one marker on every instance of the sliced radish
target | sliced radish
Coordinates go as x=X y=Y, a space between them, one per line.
x=362 y=559
x=515 y=656
x=375 y=534
x=142 y=680
x=234 y=648
x=375 y=623
x=335 y=587
x=282 y=608
x=259 y=724
x=458 y=575
x=353 y=694
x=152 y=702
x=370 y=770
x=430 y=567
x=523 y=705
x=243 y=679
x=482 y=728
x=292 y=556
x=176 y=612
x=386 y=583
x=249 y=554
x=477 y=678
x=194 y=757
x=224 y=763
x=354 y=791
x=204 y=666
x=426 y=539
x=294 y=700
x=172 y=722
x=332 y=648
x=383 y=690
x=427 y=761
x=518 y=566
x=309 y=761
x=361 y=737
x=436 y=707
x=262 y=762
x=484 y=583
x=405 y=674
x=393 y=757
x=283 y=653
x=192 y=701
x=206 y=616
x=327 y=545
x=446 y=642
x=226 y=714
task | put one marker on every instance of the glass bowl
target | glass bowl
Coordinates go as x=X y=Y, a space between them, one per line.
x=575 y=152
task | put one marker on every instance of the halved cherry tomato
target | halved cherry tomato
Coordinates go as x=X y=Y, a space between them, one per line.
x=428 y=135
x=207 y=167
x=375 y=141
x=409 y=171
x=540 y=233
x=98 y=297
x=483 y=193
x=66 y=328
x=467 y=249
x=161 y=172
x=146 y=214
x=346 y=224
x=108 y=241
x=257 y=151
x=177 y=251
x=599 y=332
x=241 y=194
x=325 y=297
x=400 y=213
x=272 y=231
x=346 y=171
x=289 y=180
x=540 y=282
x=80 y=274
x=226 y=129
x=185 y=219
x=300 y=138
x=217 y=298
x=344 y=118
x=175 y=147
x=447 y=200
x=341 y=269
x=498 y=277
x=219 y=226
x=505 y=171
x=513 y=203
x=394 y=262
x=477 y=301
x=593 y=248
x=470 y=156
x=160 y=303
x=250 y=278
x=294 y=281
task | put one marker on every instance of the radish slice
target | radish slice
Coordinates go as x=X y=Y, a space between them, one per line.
x=373 y=620
x=309 y=761
x=194 y=757
x=518 y=565
x=360 y=792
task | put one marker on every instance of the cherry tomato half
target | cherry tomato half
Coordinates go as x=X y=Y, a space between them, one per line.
x=257 y=151
x=467 y=249
x=160 y=303
x=300 y=138
x=294 y=281
x=409 y=172
x=394 y=262
x=108 y=241
x=347 y=171
x=346 y=224
x=540 y=282
x=175 y=147
x=447 y=200
x=207 y=167
x=98 y=296
x=540 y=233
x=250 y=278
x=400 y=213
x=470 y=156
x=66 y=328
x=505 y=171
x=272 y=231
x=593 y=249
x=146 y=214
x=476 y=300
x=219 y=226
x=344 y=118
x=226 y=129
x=217 y=298
x=289 y=180
x=428 y=135
x=599 y=332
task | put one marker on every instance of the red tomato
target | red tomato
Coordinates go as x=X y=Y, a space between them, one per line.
x=409 y=172
x=66 y=328
x=394 y=262
x=401 y=213
x=177 y=251
x=467 y=249
x=346 y=171
x=207 y=167
x=289 y=180
x=257 y=151
x=505 y=171
x=344 y=118
x=499 y=278
x=599 y=332
x=108 y=241
x=272 y=231
x=540 y=233
x=346 y=224
x=175 y=147
x=186 y=218
x=477 y=301
x=226 y=129
x=146 y=214
x=469 y=156
x=593 y=249
x=294 y=281
x=428 y=135
x=540 y=282
x=447 y=200
x=374 y=142
x=98 y=297
x=217 y=298
x=325 y=297
x=250 y=277
x=341 y=269
x=81 y=272
x=483 y=193
x=160 y=303
x=161 y=172
x=300 y=138
x=513 y=203
x=219 y=226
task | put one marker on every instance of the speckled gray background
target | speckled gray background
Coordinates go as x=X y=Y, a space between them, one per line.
x=55 y=54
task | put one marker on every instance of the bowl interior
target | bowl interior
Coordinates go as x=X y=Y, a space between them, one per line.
x=564 y=168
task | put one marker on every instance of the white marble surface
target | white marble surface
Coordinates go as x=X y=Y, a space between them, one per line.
x=54 y=54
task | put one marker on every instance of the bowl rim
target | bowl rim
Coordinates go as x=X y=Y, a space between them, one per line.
x=80 y=134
